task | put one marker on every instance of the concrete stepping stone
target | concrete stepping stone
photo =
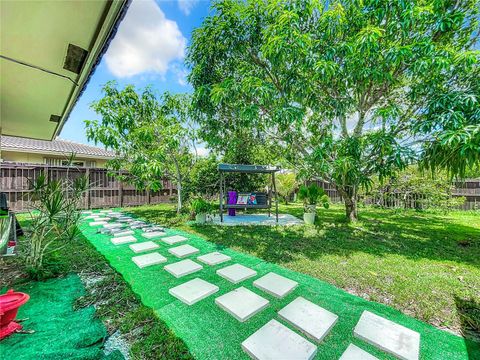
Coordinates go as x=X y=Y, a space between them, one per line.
x=183 y=268
x=183 y=251
x=214 y=258
x=193 y=291
x=112 y=225
x=236 y=273
x=93 y=216
x=124 y=233
x=170 y=240
x=355 y=353
x=242 y=303
x=276 y=285
x=87 y=212
x=119 y=240
x=143 y=246
x=97 y=223
x=102 y=219
x=152 y=235
x=149 y=259
x=275 y=341
x=388 y=336
x=311 y=319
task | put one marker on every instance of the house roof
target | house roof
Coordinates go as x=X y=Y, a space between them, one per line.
x=54 y=147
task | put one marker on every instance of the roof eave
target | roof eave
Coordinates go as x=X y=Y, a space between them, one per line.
x=113 y=16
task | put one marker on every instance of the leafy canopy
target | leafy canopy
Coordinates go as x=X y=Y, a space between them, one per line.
x=345 y=90
x=151 y=138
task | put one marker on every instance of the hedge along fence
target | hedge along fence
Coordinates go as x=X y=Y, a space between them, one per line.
x=469 y=189
x=104 y=190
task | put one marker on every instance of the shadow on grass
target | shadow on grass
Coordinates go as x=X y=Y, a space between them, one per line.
x=380 y=232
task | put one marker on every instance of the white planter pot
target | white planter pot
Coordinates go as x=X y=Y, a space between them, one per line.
x=309 y=218
x=201 y=218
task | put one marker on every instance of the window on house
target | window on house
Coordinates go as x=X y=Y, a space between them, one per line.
x=63 y=162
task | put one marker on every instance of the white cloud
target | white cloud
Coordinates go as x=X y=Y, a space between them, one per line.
x=146 y=42
x=181 y=74
x=186 y=6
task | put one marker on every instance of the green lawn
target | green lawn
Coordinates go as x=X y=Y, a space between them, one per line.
x=427 y=265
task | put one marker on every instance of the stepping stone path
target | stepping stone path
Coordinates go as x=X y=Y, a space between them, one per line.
x=143 y=246
x=275 y=285
x=152 y=235
x=97 y=223
x=388 y=336
x=123 y=240
x=242 y=303
x=183 y=251
x=170 y=240
x=275 y=341
x=355 y=353
x=193 y=291
x=236 y=273
x=311 y=319
x=183 y=268
x=214 y=258
x=148 y=259
x=124 y=233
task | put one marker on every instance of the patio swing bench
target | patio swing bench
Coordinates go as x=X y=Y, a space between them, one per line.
x=263 y=202
x=263 y=199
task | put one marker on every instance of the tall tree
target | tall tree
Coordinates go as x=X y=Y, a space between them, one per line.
x=347 y=90
x=152 y=138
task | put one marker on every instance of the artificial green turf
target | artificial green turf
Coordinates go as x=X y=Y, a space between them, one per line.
x=211 y=333
x=59 y=332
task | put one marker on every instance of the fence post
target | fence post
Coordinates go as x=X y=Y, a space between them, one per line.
x=120 y=192
x=87 y=174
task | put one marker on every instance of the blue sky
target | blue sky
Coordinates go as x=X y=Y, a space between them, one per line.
x=148 y=49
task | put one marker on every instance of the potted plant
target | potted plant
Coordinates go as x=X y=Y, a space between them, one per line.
x=200 y=207
x=311 y=195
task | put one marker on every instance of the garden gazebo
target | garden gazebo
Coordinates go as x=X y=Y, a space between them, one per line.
x=264 y=202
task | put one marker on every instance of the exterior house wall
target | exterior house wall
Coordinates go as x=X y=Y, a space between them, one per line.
x=37 y=158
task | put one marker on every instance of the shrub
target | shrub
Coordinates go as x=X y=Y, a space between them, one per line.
x=53 y=218
x=313 y=194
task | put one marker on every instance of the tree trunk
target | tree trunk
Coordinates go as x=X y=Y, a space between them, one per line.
x=179 y=196
x=351 y=209
x=349 y=195
x=179 y=186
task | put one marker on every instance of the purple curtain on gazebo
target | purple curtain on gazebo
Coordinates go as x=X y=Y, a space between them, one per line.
x=232 y=200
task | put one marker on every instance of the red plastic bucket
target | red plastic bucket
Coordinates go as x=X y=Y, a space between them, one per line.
x=9 y=304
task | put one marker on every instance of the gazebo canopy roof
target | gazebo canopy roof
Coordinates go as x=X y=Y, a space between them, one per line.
x=251 y=169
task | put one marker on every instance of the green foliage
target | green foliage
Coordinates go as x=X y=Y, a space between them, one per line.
x=200 y=206
x=312 y=195
x=347 y=91
x=53 y=218
x=412 y=188
x=151 y=137
x=246 y=151
x=203 y=178
x=286 y=185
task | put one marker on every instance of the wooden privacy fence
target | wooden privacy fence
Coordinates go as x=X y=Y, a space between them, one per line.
x=469 y=189
x=104 y=190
